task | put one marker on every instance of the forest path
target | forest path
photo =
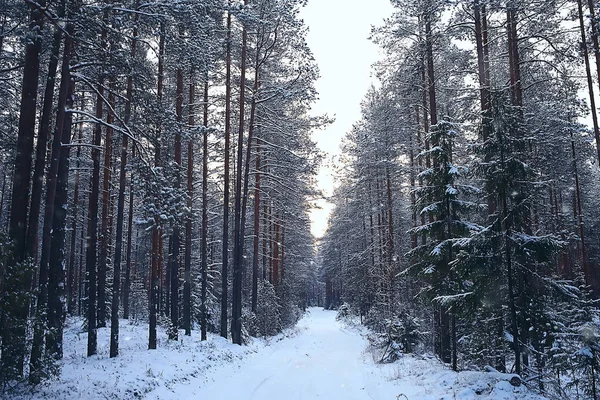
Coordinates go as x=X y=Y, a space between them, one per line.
x=323 y=360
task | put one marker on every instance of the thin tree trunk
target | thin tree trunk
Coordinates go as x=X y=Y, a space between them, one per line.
x=275 y=253
x=71 y=279
x=116 y=295
x=265 y=223
x=596 y=47
x=224 y=272
x=430 y=72
x=587 y=273
x=513 y=54
x=187 y=284
x=127 y=288
x=236 y=310
x=104 y=237
x=156 y=231
x=256 y=237
x=204 y=213
x=176 y=235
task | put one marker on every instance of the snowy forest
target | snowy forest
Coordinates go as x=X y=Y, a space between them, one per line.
x=156 y=166
x=158 y=169
x=466 y=213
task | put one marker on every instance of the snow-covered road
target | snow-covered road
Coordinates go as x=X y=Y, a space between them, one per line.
x=326 y=360
x=323 y=360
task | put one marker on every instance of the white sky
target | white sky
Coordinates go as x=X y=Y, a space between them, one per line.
x=338 y=37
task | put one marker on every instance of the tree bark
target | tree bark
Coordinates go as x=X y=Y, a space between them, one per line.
x=224 y=272
x=72 y=282
x=256 y=237
x=176 y=235
x=156 y=262
x=204 y=249
x=56 y=314
x=116 y=295
x=48 y=311
x=42 y=141
x=187 y=284
x=15 y=320
x=236 y=310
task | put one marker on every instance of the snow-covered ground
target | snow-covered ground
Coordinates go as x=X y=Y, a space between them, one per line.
x=319 y=359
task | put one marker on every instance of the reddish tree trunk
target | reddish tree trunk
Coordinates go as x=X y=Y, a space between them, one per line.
x=204 y=213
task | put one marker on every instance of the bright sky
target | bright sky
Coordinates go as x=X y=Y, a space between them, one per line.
x=338 y=37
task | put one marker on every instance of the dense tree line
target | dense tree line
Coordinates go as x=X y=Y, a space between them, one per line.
x=466 y=216
x=156 y=160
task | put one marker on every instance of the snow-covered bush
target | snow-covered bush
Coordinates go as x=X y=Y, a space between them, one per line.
x=344 y=312
x=267 y=320
x=376 y=319
x=401 y=335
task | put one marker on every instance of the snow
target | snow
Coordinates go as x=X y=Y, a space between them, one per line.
x=319 y=359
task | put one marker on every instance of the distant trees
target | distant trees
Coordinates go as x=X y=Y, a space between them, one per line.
x=134 y=178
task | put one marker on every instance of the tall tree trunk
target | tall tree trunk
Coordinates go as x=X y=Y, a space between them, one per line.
x=42 y=142
x=15 y=320
x=116 y=289
x=251 y=130
x=413 y=195
x=176 y=235
x=187 y=285
x=49 y=237
x=587 y=273
x=72 y=282
x=127 y=287
x=156 y=262
x=105 y=236
x=513 y=55
x=92 y=234
x=204 y=249
x=275 y=253
x=484 y=84
x=266 y=232
x=430 y=71
x=224 y=272
x=256 y=236
x=56 y=314
x=236 y=310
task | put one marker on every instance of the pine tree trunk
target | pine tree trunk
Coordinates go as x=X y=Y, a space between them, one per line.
x=236 y=317
x=56 y=315
x=176 y=235
x=513 y=55
x=92 y=234
x=127 y=287
x=104 y=237
x=589 y=279
x=204 y=213
x=116 y=289
x=256 y=237
x=224 y=272
x=187 y=284
x=15 y=320
x=156 y=260
x=42 y=141
x=49 y=238
x=275 y=254
x=72 y=282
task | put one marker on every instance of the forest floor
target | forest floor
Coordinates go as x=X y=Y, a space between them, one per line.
x=320 y=358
